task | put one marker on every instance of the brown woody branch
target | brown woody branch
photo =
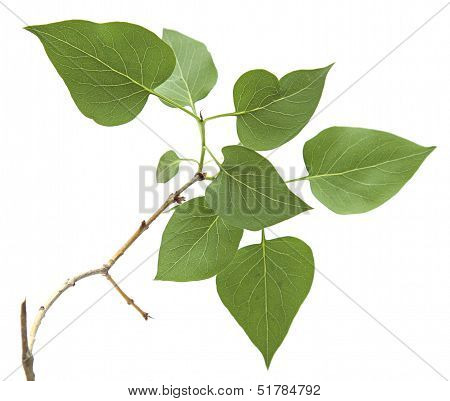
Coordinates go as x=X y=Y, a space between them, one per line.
x=129 y=300
x=27 y=356
x=28 y=342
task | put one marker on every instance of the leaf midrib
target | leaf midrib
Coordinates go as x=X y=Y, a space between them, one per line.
x=242 y=112
x=97 y=59
x=266 y=304
x=255 y=190
x=311 y=177
x=169 y=165
x=188 y=90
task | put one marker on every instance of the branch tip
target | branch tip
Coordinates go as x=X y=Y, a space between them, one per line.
x=128 y=300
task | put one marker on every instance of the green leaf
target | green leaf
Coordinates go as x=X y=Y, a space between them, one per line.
x=271 y=112
x=195 y=73
x=263 y=289
x=354 y=170
x=196 y=243
x=249 y=193
x=110 y=69
x=168 y=166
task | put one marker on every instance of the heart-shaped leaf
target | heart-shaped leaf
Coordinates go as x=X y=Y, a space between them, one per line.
x=271 y=112
x=195 y=73
x=110 y=69
x=354 y=170
x=168 y=166
x=264 y=287
x=249 y=193
x=196 y=243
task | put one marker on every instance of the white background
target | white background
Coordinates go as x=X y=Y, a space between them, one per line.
x=70 y=189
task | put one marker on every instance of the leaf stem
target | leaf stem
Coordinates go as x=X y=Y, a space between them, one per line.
x=306 y=177
x=231 y=114
x=174 y=104
x=212 y=178
x=190 y=160
x=214 y=158
x=192 y=105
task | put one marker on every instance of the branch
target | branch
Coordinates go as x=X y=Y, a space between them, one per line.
x=175 y=197
x=44 y=308
x=27 y=356
x=129 y=300
x=27 y=346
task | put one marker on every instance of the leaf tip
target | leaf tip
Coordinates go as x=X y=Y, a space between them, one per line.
x=267 y=360
x=430 y=150
x=329 y=66
x=158 y=277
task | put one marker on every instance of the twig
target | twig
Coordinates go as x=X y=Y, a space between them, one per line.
x=44 y=308
x=27 y=356
x=129 y=300
x=175 y=197
x=27 y=346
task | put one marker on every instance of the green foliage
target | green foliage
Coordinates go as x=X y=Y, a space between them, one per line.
x=271 y=112
x=249 y=193
x=111 y=69
x=195 y=73
x=196 y=244
x=264 y=287
x=168 y=166
x=354 y=170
